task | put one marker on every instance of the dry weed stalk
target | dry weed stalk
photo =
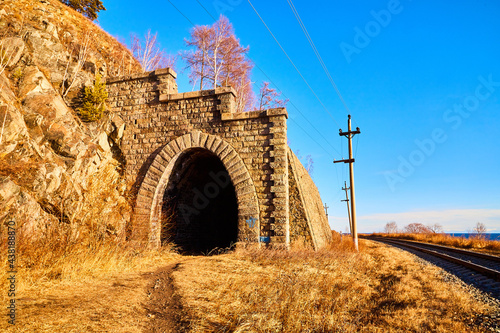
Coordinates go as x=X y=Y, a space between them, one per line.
x=4 y=109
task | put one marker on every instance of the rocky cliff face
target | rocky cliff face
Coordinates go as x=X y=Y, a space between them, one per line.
x=56 y=170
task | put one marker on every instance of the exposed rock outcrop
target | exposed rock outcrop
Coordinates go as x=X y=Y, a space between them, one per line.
x=55 y=169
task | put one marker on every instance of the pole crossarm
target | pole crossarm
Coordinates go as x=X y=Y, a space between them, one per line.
x=349 y=134
x=349 y=160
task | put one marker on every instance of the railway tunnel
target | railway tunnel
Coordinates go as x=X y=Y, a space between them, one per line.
x=174 y=143
x=199 y=210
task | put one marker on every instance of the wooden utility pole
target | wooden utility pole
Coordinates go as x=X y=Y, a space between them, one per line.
x=349 y=135
x=345 y=188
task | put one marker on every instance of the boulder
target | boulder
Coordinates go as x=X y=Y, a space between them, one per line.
x=34 y=82
x=119 y=128
x=12 y=129
x=53 y=177
x=12 y=49
x=102 y=141
x=55 y=165
x=8 y=191
x=19 y=206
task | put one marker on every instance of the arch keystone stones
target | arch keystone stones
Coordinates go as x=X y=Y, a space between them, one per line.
x=146 y=226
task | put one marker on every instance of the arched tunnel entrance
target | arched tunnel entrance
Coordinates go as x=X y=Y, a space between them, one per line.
x=200 y=208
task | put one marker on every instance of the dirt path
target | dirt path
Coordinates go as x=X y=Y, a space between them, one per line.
x=164 y=307
x=143 y=301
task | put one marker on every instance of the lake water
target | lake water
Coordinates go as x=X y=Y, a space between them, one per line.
x=491 y=236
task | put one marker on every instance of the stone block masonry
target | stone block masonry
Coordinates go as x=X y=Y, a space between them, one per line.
x=167 y=133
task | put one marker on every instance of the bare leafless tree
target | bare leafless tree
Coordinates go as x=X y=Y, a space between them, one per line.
x=309 y=164
x=479 y=228
x=391 y=227
x=149 y=53
x=118 y=52
x=416 y=228
x=268 y=97
x=81 y=50
x=197 y=60
x=218 y=59
x=245 y=97
x=435 y=228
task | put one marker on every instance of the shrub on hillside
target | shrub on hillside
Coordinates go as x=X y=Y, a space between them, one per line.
x=93 y=101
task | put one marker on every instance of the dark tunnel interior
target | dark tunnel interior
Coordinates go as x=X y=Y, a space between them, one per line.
x=200 y=209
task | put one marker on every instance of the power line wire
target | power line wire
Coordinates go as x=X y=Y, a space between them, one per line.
x=296 y=108
x=181 y=13
x=309 y=39
x=296 y=123
x=270 y=80
x=293 y=64
x=320 y=59
x=210 y=14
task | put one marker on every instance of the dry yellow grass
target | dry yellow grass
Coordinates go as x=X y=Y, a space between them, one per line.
x=93 y=286
x=95 y=283
x=67 y=287
x=382 y=289
x=478 y=243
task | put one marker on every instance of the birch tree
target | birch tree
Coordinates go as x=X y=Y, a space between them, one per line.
x=218 y=59
x=197 y=60
x=149 y=53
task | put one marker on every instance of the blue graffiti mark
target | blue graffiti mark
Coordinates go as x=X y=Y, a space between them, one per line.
x=265 y=239
x=251 y=222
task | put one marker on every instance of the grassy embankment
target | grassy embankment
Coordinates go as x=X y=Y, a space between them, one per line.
x=478 y=243
x=380 y=289
x=101 y=287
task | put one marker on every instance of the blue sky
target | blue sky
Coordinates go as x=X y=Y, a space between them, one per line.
x=421 y=80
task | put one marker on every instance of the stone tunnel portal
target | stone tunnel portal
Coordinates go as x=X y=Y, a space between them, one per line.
x=200 y=209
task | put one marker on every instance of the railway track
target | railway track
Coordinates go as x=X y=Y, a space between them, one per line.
x=478 y=269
